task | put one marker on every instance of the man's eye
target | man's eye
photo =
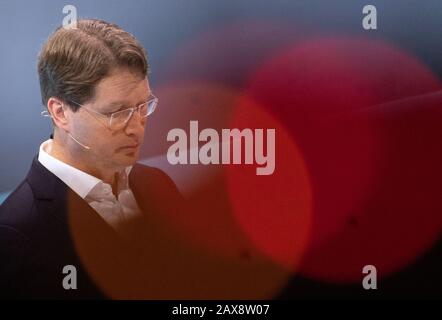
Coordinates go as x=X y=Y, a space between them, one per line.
x=117 y=110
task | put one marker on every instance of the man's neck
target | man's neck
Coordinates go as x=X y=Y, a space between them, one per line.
x=79 y=162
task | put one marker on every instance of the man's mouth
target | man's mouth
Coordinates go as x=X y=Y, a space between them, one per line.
x=129 y=147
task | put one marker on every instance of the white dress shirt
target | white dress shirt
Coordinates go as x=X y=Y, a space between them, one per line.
x=94 y=191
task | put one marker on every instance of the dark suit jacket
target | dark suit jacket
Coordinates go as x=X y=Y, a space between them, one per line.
x=45 y=226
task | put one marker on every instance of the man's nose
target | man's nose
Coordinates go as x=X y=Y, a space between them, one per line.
x=136 y=124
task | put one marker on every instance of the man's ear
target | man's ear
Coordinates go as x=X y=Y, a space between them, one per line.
x=58 y=113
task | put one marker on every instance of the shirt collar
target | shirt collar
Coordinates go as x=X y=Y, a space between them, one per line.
x=79 y=181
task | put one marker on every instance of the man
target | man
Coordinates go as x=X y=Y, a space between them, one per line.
x=81 y=222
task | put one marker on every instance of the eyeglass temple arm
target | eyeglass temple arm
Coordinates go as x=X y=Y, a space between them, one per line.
x=46 y=114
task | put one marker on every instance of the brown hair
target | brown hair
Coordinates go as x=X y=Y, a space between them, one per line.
x=73 y=61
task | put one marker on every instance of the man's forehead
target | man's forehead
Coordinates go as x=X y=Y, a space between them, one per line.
x=122 y=88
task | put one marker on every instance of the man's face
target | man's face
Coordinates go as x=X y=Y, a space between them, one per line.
x=112 y=148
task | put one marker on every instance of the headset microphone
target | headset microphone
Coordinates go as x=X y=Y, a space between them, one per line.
x=83 y=145
x=47 y=114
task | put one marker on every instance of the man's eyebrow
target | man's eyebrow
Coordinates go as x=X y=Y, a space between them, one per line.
x=117 y=103
x=122 y=104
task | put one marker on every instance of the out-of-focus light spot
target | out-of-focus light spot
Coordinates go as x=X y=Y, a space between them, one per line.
x=316 y=90
x=275 y=210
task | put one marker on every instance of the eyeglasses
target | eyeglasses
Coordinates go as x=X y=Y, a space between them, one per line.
x=119 y=119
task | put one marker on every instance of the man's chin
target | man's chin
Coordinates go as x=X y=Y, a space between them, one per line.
x=127 y=158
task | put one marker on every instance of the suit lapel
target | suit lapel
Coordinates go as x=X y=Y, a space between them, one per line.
x=55 y=198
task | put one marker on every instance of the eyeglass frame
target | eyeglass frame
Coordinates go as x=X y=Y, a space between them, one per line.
x=109 y=116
